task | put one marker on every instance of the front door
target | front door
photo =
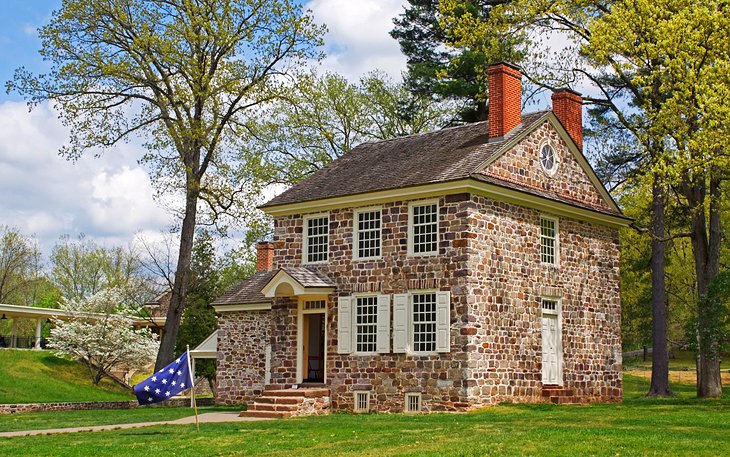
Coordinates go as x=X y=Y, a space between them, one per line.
x=550 y=349
x=313 y=347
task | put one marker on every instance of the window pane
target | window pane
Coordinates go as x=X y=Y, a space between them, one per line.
x=366 y=323
x=547 y=241
x=424 y=322
x=368 y=235
x=317 y=239
x=425 y=228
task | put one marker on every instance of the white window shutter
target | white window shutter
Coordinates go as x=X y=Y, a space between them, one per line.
x=443 y=322
x=344 y=325
x=383 y=342
x=400 y=323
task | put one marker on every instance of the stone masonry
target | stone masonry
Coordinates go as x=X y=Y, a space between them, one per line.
x=243 y=337
x=489 y=259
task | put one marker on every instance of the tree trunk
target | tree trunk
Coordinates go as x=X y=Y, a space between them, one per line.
x=482 y=112
x=706 y=249
x=182 y=273
x=660 y=362
x=98 y=376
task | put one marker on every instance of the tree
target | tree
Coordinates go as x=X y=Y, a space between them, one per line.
x=100 y=334
x=181 y=74
x=662 y=79
x=436 y=68
x=20 y=269
x=80 y=269
x=324 y=117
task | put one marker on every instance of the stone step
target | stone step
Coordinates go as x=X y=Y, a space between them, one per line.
x=309 y=393
x=272 y=407
x=280 y=400
x=266 y=414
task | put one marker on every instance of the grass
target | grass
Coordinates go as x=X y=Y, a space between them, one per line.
x=640 y=426
x=40 y=377
x=43 y=421
x=681 y=368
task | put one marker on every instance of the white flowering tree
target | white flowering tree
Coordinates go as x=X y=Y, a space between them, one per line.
x=100 y=333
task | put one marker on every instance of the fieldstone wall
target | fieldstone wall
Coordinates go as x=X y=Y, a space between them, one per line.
x=508 y=283
x=440 y=378
x=489 y=259
x=521 y=165
x=243 y=337
x=94 y=405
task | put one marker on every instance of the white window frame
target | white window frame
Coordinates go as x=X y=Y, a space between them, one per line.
x=406 y=402
x=556 y=158
x=355 y=298
x=355 y=403
x=556 y=253
x=347 y=324
x=305 y=239
x=403 y=332
x=411 y=232
x=356 y=233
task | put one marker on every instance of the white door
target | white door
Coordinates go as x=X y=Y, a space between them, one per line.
x=550 y=350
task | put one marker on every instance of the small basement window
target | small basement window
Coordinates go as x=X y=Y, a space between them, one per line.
x=362 y=401
x=412 y=403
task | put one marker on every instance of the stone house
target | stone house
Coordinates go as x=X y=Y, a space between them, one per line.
x=435 y=272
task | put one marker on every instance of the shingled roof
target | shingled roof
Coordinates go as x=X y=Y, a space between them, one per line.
x=444 y=155
x=247 y=291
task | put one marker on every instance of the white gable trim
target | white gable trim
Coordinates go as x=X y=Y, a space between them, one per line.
x=242 y=307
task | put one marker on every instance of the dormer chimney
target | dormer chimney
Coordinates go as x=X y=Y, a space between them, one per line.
x=264 y=256
x=568 y=108
x=505 y=99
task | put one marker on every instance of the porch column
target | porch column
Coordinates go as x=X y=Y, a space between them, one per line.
x=38 y=327
x=14 y=333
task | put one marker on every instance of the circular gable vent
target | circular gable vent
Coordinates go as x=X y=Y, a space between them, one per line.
x=548 y=159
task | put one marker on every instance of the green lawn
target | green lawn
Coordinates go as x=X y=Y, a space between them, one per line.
x=640 y=426
x=682 y=360
x=39 y=376
x=43 y=421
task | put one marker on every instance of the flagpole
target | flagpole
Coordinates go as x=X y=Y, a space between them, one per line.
x=192 y=391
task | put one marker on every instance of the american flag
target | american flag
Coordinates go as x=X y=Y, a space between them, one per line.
x=166 y=383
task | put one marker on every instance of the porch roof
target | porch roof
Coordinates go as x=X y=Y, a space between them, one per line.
x=293 y=281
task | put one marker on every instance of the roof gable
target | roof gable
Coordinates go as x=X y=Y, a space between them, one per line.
x=574 y=179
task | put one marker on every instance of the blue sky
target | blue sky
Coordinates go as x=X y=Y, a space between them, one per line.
x=19 y=42
x=110 y=198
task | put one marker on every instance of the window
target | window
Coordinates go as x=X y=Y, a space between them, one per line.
x=366 y=324
x=316 y=238
x=549 y=252
x=361 y=401
x=314 y=304
x=363 y=324
x=548 y=159
x=424 y=322
x=412 y=403
x=549 y=305
x=367 y=234
x=423 y=229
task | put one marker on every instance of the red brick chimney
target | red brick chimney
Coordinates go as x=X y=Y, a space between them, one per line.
x=505 y=99
x=264 y=256
x=568 y=107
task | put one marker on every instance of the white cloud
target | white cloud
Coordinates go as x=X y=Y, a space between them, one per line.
x=108 y=198
x=358 y=38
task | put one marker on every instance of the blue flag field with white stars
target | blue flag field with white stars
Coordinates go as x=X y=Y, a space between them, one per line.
x=166 y=383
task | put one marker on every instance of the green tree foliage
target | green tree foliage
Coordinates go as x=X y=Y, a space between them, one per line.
x=323 y=117
x=21 y=281
x=439 y=65
x=80 y=268
x=182 y=75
